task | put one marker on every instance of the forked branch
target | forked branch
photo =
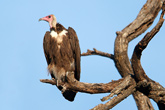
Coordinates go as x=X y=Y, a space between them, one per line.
x=115 y=100
x=122 y=88
x=147 y=84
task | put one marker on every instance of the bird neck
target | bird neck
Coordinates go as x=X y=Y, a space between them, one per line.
x=53 y=29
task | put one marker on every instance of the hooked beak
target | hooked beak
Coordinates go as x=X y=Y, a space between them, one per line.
x=40 y=19
x=44 y=19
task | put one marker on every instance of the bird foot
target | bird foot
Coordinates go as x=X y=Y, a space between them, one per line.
x=53 y=78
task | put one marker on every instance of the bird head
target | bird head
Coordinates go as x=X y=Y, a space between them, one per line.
x=51 y=19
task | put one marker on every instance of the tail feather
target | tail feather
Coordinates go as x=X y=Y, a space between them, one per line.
x=69 y=95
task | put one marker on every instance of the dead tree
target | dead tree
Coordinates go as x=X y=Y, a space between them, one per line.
x=134 y=79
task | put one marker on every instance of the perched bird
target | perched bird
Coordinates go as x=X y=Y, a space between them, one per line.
x=62 y=52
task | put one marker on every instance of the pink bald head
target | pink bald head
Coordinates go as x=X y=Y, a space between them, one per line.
x=51 y=19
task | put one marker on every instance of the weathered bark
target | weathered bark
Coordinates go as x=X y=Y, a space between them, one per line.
x=152 y=89
x=92 y=88
x=136 y=65
x=135 y=81
x=143 y=21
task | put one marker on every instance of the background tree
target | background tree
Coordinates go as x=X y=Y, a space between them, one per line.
x=135 y=81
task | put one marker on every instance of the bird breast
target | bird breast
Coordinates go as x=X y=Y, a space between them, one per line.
x=58 y=36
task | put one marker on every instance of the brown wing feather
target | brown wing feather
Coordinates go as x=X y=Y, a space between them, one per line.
x=76 y=51
x=46 y=47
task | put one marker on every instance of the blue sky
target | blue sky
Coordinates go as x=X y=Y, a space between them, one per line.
x=23 y=63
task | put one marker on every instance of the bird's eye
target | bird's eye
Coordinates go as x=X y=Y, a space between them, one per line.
x=49 y=16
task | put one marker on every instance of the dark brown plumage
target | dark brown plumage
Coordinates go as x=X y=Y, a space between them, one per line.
x=62 y=52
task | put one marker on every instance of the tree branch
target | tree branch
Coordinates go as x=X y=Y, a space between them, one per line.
x=115 y=100
x=136 y=64
x=147 y=86
x=118 y=89
x=154 y=91
x=142 y=101
x=96 y=52
x=92 y=88
x=49 y=81
x=143 y=21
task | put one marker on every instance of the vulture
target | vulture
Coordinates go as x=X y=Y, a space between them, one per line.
x=62 y=52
